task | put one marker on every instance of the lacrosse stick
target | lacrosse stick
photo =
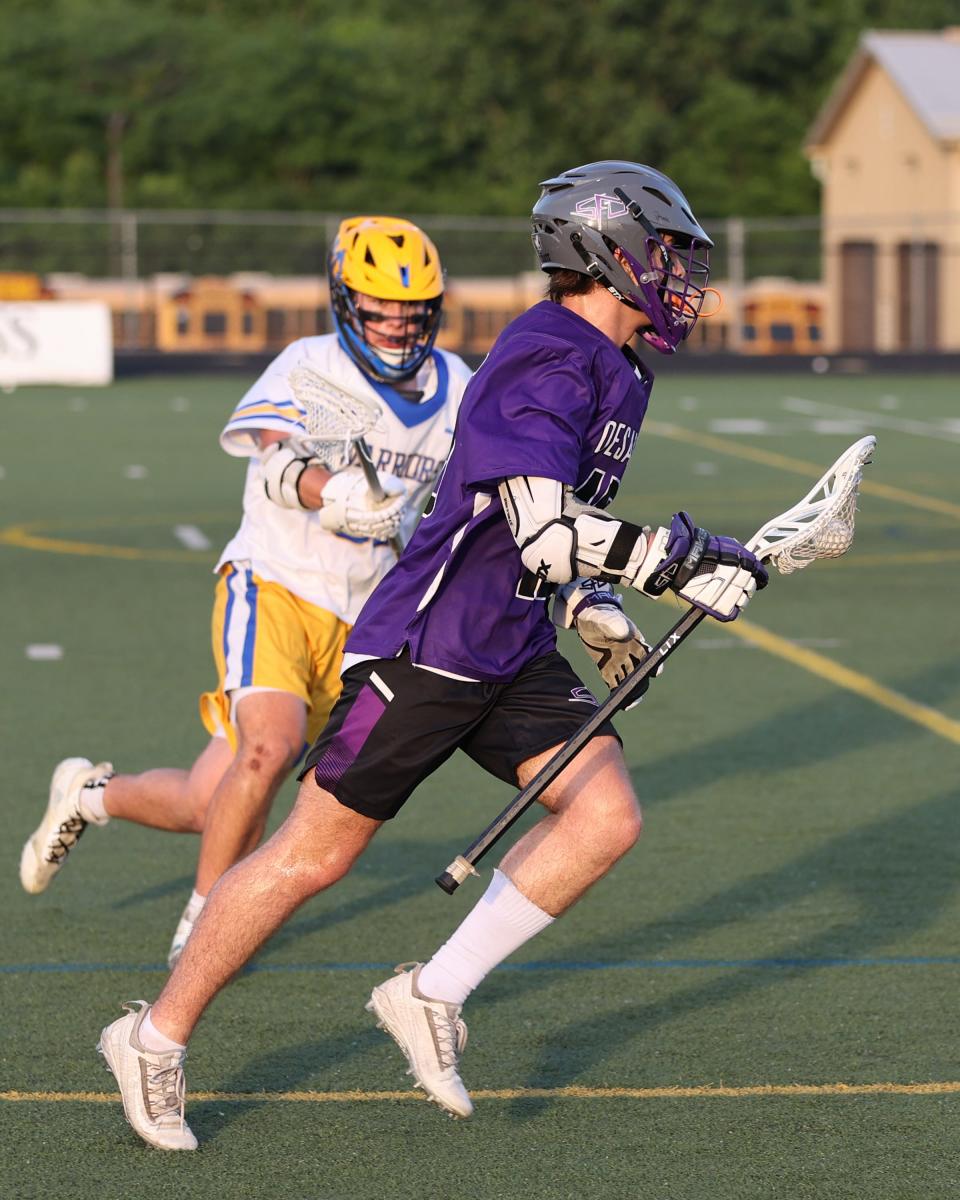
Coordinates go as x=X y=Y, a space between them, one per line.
x=335 y=420
x=819 y=526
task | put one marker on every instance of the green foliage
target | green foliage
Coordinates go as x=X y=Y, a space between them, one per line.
x=310 y=104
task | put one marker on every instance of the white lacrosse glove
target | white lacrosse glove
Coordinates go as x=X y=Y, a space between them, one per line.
x=282 y=464
x=717 y=574
x=611 y=639
x=349 y=506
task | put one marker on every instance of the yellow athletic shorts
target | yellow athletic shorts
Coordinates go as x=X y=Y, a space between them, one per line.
x=264 y=636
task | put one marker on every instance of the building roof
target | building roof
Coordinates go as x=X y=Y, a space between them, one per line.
x=925 y=67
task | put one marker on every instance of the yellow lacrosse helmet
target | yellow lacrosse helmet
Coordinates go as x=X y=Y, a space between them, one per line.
x=388 y=259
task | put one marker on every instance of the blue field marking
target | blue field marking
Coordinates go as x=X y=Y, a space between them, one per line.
x=636 y=964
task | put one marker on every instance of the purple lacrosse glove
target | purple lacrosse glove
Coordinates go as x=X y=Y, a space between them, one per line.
x=692 y=551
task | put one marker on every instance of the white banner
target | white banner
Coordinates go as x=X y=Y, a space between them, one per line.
x=55 y=341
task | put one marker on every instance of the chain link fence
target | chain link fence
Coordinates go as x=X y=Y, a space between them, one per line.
x=133 y=244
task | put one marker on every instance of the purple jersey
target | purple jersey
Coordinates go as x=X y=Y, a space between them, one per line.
x=554 y=398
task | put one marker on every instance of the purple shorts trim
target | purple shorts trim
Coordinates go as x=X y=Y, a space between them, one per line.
x=347 y=743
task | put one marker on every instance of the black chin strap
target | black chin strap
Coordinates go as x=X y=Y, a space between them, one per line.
x=596 y=272
x=635 y=211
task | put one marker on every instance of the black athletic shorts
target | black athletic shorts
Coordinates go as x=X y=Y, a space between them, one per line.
x=395 y=723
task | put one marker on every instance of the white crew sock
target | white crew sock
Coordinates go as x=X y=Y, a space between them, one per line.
x=153 y=1040
x=194 y=905
x=500 y=922
x=91 y=802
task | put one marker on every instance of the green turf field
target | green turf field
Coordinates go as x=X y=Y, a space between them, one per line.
x=759 y=1002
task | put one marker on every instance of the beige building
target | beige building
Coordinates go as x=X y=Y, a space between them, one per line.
x=886 y=148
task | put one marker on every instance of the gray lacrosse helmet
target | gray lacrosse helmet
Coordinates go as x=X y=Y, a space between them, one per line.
x=631 y=229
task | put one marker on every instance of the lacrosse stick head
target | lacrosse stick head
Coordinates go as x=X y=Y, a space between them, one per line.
x=822 y=524
x=334 y=416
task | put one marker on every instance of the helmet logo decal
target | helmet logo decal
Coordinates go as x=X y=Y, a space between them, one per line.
x=599 y=208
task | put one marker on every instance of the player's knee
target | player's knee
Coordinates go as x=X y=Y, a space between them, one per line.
x=318 y=866
x=267 y=758
x=632 y=827
x=622 y=822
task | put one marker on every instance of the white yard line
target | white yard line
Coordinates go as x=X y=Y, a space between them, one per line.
x=945 y=430
x=44 y=651
x=191 y=537
x=739 y=425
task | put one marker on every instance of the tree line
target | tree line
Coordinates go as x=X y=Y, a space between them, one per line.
x=436 y=107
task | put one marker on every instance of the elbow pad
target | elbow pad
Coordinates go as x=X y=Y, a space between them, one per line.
x=533 y=507
x=560 y=542
x=281 y=465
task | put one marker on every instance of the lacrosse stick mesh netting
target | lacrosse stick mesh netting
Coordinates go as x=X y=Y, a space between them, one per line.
x=830 y=534
x=333 y=419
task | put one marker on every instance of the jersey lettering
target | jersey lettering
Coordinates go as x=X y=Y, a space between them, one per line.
x=617 y=441
x=419 y=467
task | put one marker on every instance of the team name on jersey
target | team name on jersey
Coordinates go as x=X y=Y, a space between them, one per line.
x=420 y=467
x=617 y=441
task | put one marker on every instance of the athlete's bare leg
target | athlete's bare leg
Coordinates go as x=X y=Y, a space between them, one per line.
x=271 y=727
x=594 y=820
x=170 y=798
x=316 y=845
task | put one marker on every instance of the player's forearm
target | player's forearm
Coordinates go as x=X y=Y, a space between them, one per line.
x=311 y=485
x=561 y=540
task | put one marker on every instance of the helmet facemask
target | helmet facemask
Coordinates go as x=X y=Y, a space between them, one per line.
x=391 y=354
x=669 y=288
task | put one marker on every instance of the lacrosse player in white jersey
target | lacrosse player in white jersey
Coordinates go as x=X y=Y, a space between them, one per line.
x=311 y=547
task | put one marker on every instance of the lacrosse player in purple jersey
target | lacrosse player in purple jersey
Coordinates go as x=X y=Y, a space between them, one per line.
x=457 y=648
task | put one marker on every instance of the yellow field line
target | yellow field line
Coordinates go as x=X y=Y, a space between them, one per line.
x=702 y=1091
x=797 y=466
x=852 y=681
x=15 y=535
x=30 y=536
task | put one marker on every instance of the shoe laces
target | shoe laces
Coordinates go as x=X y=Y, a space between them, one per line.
x=449 y=1029
x=165 y=1085
x=451 y=1033
x=66 y=837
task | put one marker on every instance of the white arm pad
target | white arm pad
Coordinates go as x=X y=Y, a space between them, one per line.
x=533 y=507
x=281 y=465
x=559 y=543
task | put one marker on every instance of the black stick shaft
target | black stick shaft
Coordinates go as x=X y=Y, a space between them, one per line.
x=619 y=698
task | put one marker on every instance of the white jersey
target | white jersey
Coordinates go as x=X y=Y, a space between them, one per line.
x=411 y=439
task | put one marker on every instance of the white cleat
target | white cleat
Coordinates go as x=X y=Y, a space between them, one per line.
x=62 y=825
x=152 y=1086
x=429 y=1032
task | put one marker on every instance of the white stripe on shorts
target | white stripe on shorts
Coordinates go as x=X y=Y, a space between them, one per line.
x=380 y=686
x=237 y=633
